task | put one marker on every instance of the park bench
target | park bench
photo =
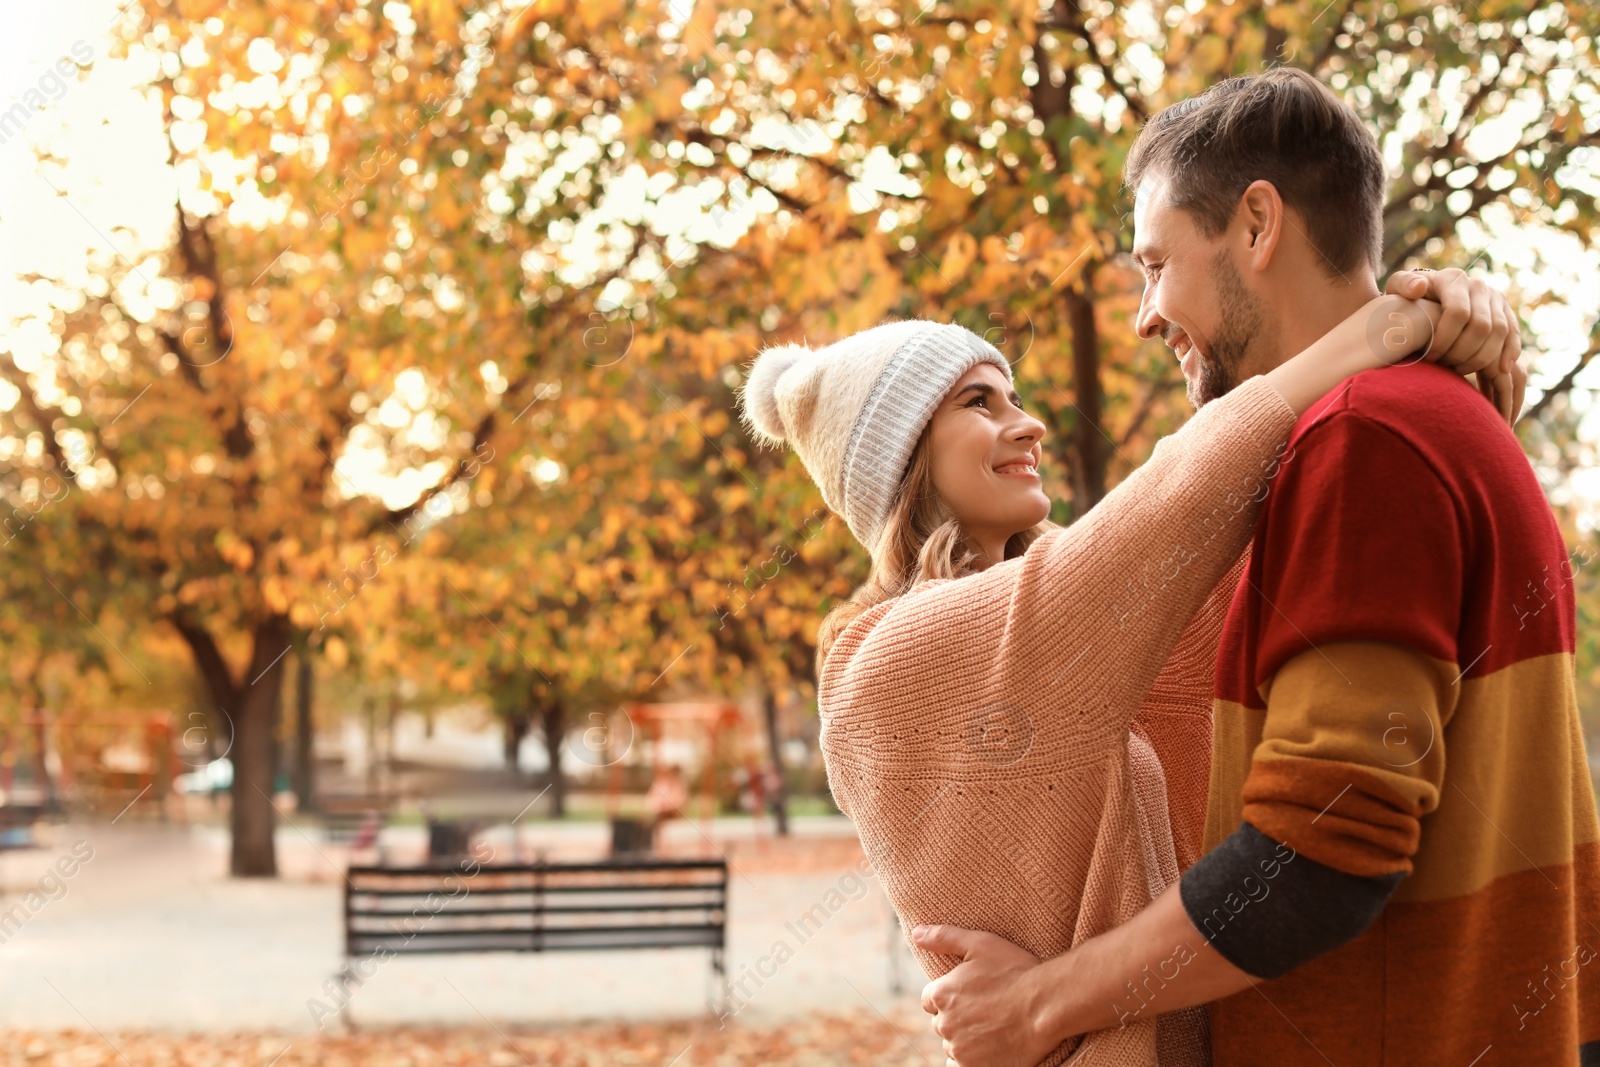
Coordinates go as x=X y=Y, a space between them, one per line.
x=352 y=819
x=539 y=907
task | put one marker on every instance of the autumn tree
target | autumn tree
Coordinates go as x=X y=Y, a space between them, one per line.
x=515 y=256
x=808 y=169
x=961 y=161
x=267 y=397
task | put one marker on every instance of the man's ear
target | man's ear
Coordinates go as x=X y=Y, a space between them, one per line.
x=1260 y=219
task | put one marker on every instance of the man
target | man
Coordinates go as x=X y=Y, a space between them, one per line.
x=1402 y=851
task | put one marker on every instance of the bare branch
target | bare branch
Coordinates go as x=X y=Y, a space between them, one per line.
x=1079 y=25
x=1325 y=53
x=1157 y=390
x=36 y=412
x=1564 y=384
x=207 y=656
x=1482 y=194
x=1451 y=148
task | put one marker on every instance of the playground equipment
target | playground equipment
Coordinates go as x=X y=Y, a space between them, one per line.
x=714 y=723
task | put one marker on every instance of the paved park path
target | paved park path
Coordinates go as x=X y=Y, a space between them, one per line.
x=150 y=934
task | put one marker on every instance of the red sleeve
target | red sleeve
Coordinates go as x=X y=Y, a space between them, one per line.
x=1360 y=541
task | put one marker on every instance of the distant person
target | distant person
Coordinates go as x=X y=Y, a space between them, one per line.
x=667 y=797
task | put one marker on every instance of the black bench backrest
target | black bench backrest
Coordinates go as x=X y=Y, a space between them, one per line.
x=543 y=907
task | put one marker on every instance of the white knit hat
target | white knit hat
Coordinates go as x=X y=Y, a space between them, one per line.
x=855 y=409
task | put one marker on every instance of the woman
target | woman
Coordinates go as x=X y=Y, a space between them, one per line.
x=996 y=716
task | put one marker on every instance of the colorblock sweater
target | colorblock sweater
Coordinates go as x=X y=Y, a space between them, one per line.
x=999 y=739
x=1401 y=833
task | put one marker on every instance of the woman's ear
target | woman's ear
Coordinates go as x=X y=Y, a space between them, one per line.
x=1261 y=218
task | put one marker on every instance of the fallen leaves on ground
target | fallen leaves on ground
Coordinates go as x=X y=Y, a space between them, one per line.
x=901 y=1038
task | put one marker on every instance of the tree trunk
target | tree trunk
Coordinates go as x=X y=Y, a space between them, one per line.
x=370 y=705
x=249 y=712
x=388 y=741
x=1088 y=448
x=1051 y=101
x=1089 y=439
x=780 y=797
x=41 y=744
x=517 y=723
x=552 y=725
x=218 y=679
x=305 y=786
x=41 y=754
x=1272 y=45
x=255 y=720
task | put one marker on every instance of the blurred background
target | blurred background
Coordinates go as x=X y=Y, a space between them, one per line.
x=373 y=495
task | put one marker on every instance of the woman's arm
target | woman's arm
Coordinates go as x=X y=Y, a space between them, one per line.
x=1057 y=647
x=1124 y=580
x=1163 y=538
x=1078 y=628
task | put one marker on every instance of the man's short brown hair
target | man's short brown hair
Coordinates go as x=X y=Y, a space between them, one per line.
x=1281 y=126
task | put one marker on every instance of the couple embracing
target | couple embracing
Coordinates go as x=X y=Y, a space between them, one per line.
x=1257 y=762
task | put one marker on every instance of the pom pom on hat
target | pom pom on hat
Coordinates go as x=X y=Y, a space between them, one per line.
x=760 y=395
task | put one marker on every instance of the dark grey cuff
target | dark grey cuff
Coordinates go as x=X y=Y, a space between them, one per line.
x=1268 y=909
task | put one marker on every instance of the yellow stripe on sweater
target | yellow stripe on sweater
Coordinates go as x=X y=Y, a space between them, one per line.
x=1481 y=771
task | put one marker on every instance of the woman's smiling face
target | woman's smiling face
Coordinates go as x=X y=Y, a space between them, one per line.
x=985 y=455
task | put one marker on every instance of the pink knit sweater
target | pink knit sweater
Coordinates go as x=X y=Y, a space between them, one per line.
x=1024 y=750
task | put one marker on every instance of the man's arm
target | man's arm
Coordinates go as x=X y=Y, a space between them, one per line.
x=1004 y=1008
x=1357 y=723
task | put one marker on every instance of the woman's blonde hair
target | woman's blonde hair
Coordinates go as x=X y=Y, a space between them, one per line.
x=921 y=539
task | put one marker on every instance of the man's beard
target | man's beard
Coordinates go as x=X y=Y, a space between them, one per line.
x=1240 y=314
